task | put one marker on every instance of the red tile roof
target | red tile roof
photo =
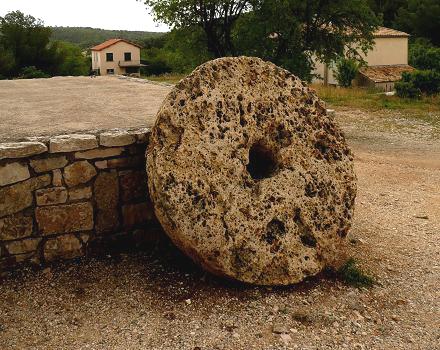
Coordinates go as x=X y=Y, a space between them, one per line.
x=384 y=74
x=111 y=42
x=383 y=32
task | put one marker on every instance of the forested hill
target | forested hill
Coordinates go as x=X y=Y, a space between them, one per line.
x=88 y=37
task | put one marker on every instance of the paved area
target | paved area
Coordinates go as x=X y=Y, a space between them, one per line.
x=41 y=107
x=162 y=301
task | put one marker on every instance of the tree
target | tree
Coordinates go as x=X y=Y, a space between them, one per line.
x=421 y=18
x=292 y=33
x=386 y=9
x=423 y=55
x=71 y=60
x=215 y=17
x=346 y=70
x=26 y=38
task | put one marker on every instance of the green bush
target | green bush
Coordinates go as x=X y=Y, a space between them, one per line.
x=424 y=56
x=346 y=70
x=32 y=72
x=406 y=89
x=416 y=83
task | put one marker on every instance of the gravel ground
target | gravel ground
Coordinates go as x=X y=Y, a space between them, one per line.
x=159 y=300
x=42 y=107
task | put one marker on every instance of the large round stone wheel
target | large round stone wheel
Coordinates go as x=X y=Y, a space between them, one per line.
x=248 y=175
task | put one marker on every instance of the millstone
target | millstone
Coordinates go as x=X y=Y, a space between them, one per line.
x=248 y=175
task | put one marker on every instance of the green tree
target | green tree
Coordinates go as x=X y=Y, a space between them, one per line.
x=346 y=70
x=423 y=55
x=216 y=18
x=292 y=33
x=72 y=60
x=387 y=9
x=26 y=38
x=421 y=18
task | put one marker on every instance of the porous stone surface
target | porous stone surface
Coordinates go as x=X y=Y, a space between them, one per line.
x=74 y=142
x=21 y=149
x=249 y=175
x=15 y=227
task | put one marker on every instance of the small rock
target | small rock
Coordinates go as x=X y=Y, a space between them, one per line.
x=285 y=338
x=188 y=301
x=279 y=329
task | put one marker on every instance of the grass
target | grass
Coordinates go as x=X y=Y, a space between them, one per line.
x=352 y=275
x=171 y=78
x=371 y=99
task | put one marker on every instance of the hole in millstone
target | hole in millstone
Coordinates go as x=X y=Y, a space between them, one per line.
x=262 y=162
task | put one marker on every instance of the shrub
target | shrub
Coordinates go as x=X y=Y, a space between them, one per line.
x=353 y=276
x=406 y=89
x=413 y=84
x=346 y=70
x=32 y=72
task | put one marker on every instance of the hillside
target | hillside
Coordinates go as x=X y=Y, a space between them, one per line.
x=87 y=37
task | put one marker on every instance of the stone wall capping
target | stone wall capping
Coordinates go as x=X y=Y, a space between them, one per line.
x=100 y=153
x=116 y=138
x=11 y=150
x=72 y=142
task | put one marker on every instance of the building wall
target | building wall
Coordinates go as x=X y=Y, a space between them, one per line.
x=386 y=51
x=118 y=51
x=74 y=195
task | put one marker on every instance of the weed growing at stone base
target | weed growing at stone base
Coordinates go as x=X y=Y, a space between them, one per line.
x=352 y=275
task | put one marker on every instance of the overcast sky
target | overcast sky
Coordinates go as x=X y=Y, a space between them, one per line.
x=106 y=14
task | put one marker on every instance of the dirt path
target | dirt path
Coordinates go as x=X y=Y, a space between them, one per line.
x=160 y=301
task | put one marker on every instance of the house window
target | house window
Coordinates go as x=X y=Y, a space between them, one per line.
x=109 y=56
x=110 y=71
x=127 y=56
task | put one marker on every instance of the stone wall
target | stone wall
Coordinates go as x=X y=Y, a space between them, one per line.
x=73 y=195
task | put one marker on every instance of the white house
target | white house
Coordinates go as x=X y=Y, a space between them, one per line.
x=116 y=56
x=385 y=62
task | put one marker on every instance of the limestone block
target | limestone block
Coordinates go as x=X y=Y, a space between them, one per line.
x=15 y=227
x=126 y=162
x=17 y=197
x=64 y=218
x=142 y=135
x=106 y=197
x=249 y=175
x=50 y=196
x=101 y=164
x=47 y=164
x=78 y=173
x=21 y=149
x=133 y=185
x=62 y=247
x=13 y=172
x=116 y=138
x=137 y=214
x=70 y=143
x=80 y=193
x=57 y=177
x=99 y=153
x=23 y=246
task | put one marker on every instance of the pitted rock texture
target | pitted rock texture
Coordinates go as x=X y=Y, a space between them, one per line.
x=248 y=174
